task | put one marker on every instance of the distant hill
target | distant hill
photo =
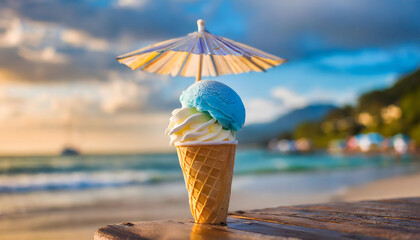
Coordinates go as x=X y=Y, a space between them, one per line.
x=262 y=132
x=388 y=111
x=374 y=101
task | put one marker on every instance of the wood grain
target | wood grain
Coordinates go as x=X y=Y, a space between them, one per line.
x=382 y=219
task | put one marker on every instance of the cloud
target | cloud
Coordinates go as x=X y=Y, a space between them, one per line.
x=262 y=110
x=19 y=31
x=123 y=96
x=297 y=29
x=33 y=51
x=64 y=53
x=289 y=29
x=318 y=95
x=81 y=39
x=401 y=58
x=109 y=22
x=105 y=116
x=25 y=106
x=53 y=103
x=288 y=98
x=8 y=76
x=84 y=33
x=12 y=35
x=8 y=104
x=280 y=101
x=48 y=55
x=14 y=32
x=131 y=3
x=22 y=68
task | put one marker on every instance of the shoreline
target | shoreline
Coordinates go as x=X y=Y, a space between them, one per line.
x=394 y=187
x=77 y=214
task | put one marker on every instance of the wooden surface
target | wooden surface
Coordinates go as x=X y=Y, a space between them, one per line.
x=384 y=219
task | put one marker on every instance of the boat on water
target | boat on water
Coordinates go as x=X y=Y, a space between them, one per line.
x=70 y=151
x=70 y=148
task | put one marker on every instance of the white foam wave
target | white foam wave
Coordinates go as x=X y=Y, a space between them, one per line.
x=79 y=180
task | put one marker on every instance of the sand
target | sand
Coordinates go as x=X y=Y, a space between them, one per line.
x=57 y=216
x=80 y=221
x=396 y=187
x=61 y=215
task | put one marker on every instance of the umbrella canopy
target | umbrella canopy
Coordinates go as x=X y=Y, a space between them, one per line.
x=199 y=54
x=400 y=136
x=373 y=138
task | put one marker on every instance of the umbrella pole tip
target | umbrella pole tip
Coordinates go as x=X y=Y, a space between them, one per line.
x=201 y=25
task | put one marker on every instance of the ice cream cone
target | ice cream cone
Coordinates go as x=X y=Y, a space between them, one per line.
x=208 y=170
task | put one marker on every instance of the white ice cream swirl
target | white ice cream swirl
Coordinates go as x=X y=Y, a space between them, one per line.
x=190 y=125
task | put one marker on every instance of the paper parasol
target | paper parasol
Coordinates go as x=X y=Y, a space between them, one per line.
x=199 y=54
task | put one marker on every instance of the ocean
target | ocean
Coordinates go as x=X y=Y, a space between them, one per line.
x=82 y=173
x=60 y=197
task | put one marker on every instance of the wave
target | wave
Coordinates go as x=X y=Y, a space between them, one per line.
x=88 y=179
x=62 y=173
x=80 y=180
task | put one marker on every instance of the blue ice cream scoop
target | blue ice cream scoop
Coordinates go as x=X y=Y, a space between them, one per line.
x=218 y=100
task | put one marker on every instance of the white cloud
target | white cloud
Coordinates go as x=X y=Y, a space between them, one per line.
x=121 y=95
x=13 y=34
x=81 y=39
x=48 y=55
x=53 y=103
x=404 y=55
x=281 y=101
x=46 y=105
x=361 y=58
x=32 y=116
x=131 y=3
x=288 y=98
x=260 y=110
x=318 y=95
x=17 y=32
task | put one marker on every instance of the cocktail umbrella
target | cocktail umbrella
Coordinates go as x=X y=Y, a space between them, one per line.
x=199 y=54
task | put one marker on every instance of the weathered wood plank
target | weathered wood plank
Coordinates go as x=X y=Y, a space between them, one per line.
x=348 y=217
x=237 y=229
x=176 y=230
x=290 y=231
x=384 y=219
x=403 y=209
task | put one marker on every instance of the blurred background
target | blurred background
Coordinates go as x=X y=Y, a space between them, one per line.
x=82 y=140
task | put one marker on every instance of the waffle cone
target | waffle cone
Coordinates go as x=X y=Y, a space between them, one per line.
x=208 y=170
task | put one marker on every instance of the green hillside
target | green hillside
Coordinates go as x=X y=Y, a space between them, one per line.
x=389 y=111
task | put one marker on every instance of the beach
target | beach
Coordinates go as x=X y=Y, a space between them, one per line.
x=82 y=220
x=73 y=199
x=396 y=187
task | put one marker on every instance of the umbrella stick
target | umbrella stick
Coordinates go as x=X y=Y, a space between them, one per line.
x=200 y=63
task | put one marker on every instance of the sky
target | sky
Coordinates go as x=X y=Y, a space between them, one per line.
x=61 y=85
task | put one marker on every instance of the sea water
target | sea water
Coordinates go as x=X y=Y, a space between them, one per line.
x=81 y=173
x=59 y=185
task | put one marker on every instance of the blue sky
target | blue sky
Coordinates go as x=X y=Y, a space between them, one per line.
x=57 y=59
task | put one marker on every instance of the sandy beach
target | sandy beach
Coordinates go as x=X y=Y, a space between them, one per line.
x=55 y=216
x=396 y=187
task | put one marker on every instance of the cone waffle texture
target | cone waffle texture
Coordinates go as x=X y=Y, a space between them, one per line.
x=208 y=171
